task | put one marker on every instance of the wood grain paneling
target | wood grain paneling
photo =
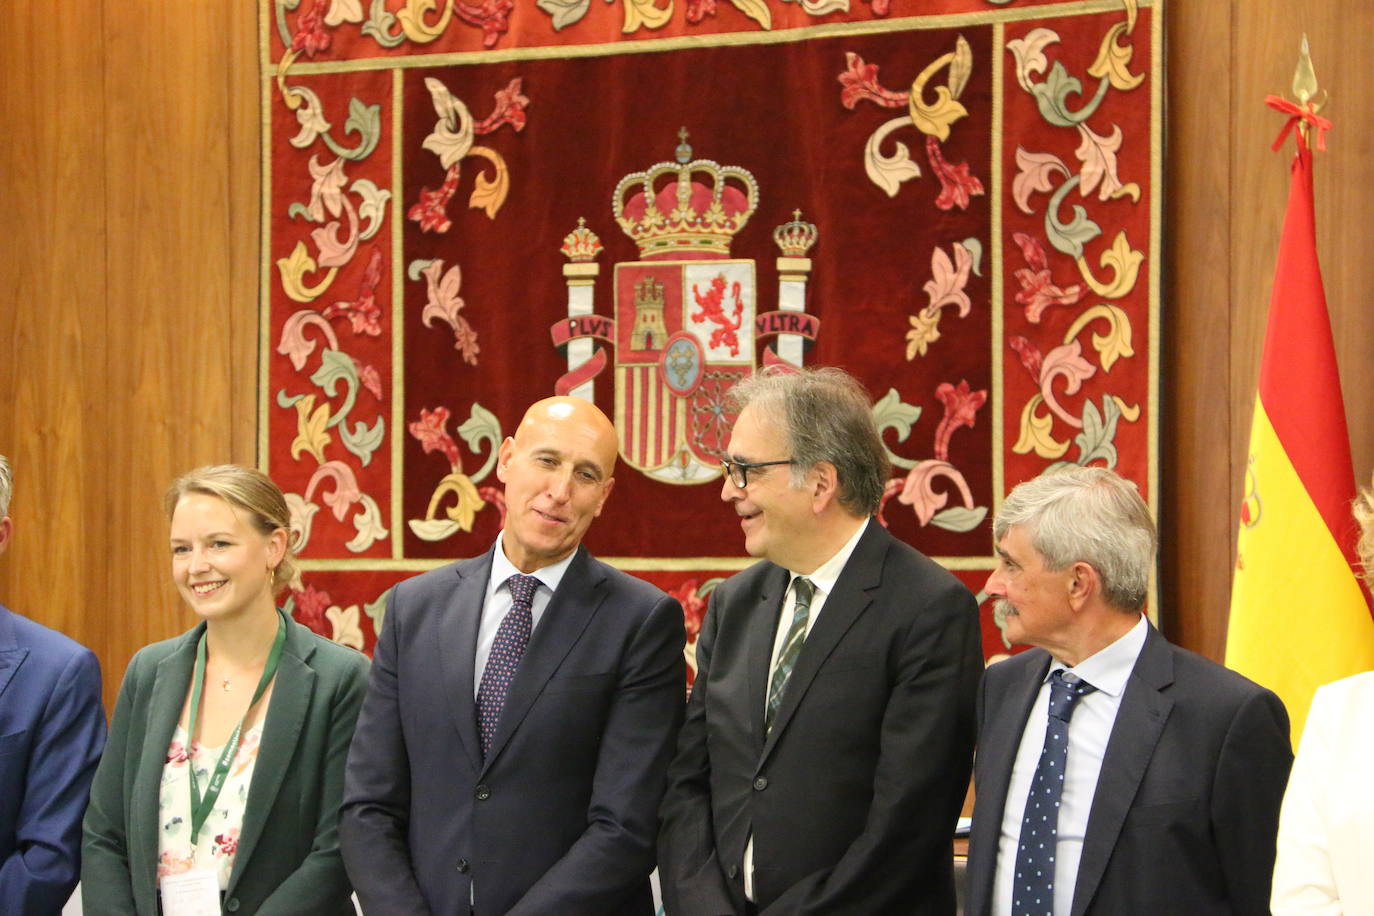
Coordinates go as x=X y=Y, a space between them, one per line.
x=1225 y=204
x=52 y=278
x=133 y=331
x=1195 y=507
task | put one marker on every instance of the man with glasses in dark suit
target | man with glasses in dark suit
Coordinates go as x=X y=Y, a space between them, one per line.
x=829 y=735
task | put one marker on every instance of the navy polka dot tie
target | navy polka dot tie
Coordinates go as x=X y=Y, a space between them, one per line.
x=506 y=651
x=1033 y=889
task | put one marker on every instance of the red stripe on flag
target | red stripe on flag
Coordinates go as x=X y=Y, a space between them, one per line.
x=1299 y=383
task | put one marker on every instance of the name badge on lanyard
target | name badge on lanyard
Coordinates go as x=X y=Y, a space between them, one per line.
x=191 y=893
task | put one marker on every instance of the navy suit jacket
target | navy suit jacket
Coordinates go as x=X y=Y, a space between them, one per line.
x=52 y=729
x=560 y=815
x=852 y=797
x=1186 y=810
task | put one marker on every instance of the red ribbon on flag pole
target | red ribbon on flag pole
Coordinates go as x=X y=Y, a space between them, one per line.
x=1298 y=114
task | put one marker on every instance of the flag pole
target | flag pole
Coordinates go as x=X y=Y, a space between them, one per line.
x=1299 y=615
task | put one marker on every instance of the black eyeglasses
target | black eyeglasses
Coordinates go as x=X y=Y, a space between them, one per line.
x=738 y=471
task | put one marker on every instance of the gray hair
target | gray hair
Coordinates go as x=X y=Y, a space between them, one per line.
x=827 y=416
x=6 y=486
x=1089 y=515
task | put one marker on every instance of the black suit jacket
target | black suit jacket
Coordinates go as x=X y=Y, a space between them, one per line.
x=853 y=796
x=1187 y=806
x=560 y=816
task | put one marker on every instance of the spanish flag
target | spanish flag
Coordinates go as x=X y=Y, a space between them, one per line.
x=1299 y=615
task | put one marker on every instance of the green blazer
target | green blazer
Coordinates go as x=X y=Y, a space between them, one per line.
x=288 y=855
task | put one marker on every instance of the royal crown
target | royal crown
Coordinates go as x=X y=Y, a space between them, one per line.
x=697 y=210
x=581 y=244
x=795 y=239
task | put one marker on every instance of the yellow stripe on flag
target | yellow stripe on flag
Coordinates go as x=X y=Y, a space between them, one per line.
x=1298 y=616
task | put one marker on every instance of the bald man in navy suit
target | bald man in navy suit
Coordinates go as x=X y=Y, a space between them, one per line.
x=513 y=746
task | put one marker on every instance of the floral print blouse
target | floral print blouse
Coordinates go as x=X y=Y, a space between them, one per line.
x=219 y=837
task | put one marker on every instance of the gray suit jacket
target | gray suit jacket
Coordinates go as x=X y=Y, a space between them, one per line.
x=560 y=815
x=288 y=855
x=1186 y=810
x=852 y=797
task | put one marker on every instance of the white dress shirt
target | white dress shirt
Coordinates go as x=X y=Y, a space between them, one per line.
x=823 y=580
x=498 y=603
x=1089 y=730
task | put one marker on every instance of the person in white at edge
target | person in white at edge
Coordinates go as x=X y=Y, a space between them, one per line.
x=1326 y=828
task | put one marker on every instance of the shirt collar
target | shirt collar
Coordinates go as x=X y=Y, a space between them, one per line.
x=1109 y=668
x=828 y=573
x=502 y=569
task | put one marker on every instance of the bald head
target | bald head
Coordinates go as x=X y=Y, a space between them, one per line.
x=557 y=471
x=576 y=418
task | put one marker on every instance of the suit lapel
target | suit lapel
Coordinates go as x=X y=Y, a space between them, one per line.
x=999 y=738
x=11 y=655
x=1139 y=722
x=281 y=729
x=572 y=606
x=458 y=652
x=862 y=574
x=170 y=684
x=760 y=634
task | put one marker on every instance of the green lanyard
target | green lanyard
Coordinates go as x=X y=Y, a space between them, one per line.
x=201 y=806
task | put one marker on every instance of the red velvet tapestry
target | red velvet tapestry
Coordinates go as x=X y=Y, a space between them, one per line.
x=469 y=205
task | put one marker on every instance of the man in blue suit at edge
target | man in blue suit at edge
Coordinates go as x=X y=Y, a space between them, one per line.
x=52 y=730
x=513 y=747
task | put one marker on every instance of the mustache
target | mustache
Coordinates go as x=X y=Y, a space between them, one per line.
x=1004 y=608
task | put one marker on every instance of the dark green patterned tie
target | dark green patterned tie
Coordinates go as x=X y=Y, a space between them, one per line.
x=791 y=648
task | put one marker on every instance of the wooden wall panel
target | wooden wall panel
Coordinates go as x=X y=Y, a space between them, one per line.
x=52 y=317
x=128 y=323
x=132 y=356
x=172 y=375
x=1195 y=505
x=1224 y=208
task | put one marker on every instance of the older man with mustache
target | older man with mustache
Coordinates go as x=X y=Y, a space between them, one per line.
x=1161 y=792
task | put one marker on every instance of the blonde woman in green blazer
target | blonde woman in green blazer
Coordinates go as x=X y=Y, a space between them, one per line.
x=224 y=769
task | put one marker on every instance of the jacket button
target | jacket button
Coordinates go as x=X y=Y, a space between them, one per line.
x=760 y=784
x=232 y=904
x=463 y=866
x=483 y=793
x=734 y=872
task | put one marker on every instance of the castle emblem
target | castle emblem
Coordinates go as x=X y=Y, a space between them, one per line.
x=686 y=323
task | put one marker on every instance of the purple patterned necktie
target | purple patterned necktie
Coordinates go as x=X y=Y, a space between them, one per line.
x=506 y=651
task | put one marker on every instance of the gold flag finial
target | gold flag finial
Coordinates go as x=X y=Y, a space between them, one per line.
x=1305 y=77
